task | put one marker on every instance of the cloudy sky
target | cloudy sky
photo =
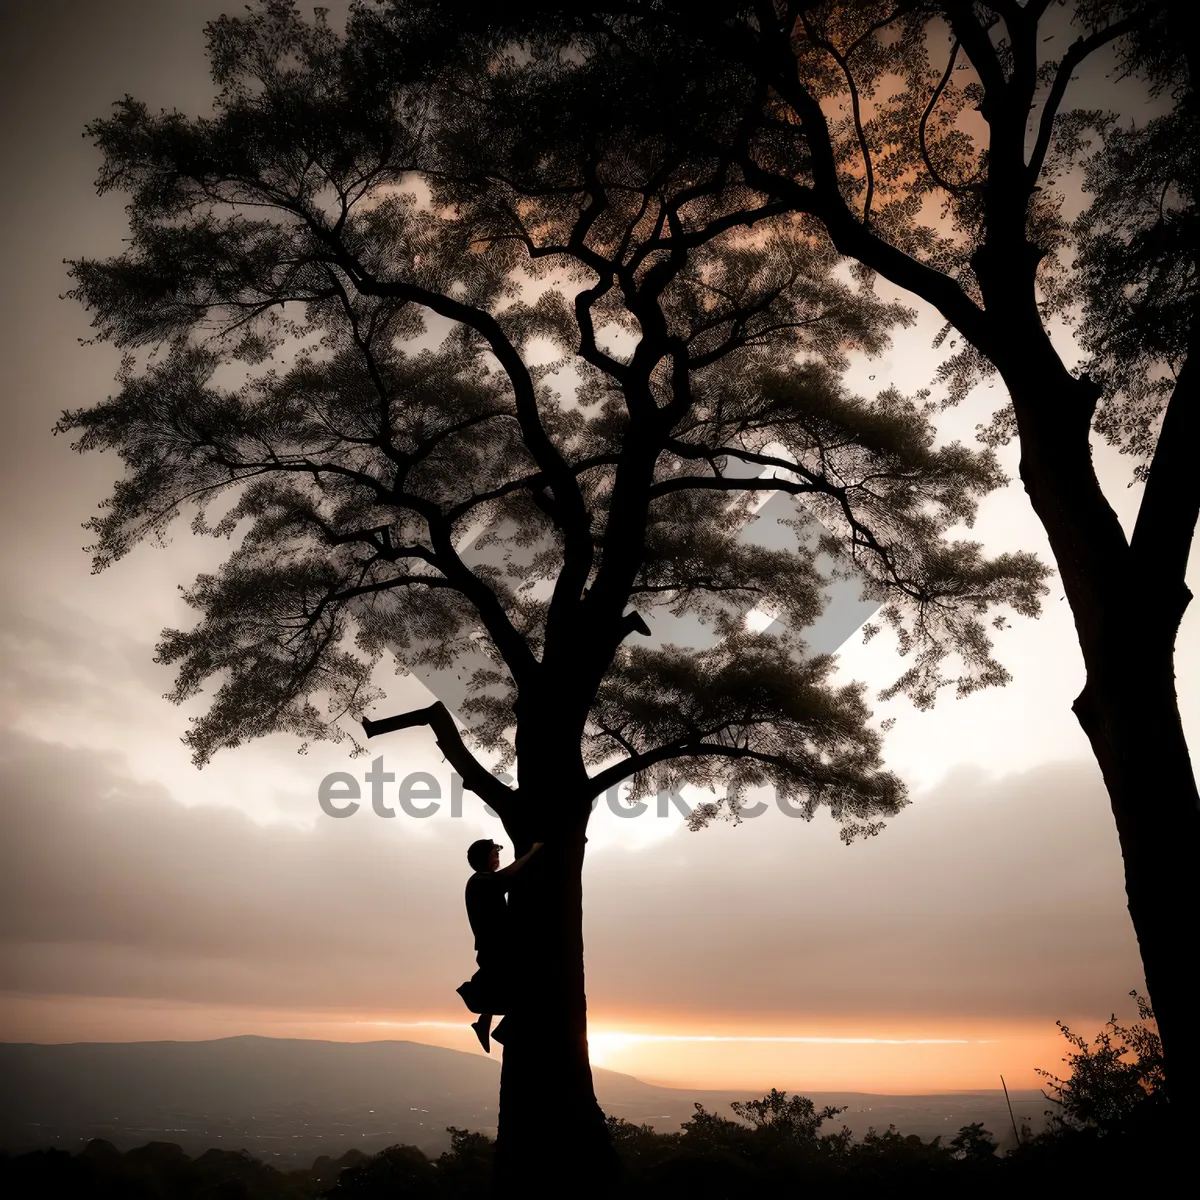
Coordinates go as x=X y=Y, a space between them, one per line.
x=141 y=898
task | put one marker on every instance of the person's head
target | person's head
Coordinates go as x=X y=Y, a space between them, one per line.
x=484 y=855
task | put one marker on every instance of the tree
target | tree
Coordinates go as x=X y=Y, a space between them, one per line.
x=274 y=305
x=973 y=1142
x=396 y=1171
x=786 y=1118
x=929 y=138
x=1104 y=1089
x=466 y=1168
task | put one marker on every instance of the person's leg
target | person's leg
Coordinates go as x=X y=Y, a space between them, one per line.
x=483 y=1029
x=502 y=992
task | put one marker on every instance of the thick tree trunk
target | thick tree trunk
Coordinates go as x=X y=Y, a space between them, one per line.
x=1127 y=611
x=1129 y=712
x=552 y=1138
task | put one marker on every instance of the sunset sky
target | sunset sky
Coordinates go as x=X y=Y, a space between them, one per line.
x=143 y=899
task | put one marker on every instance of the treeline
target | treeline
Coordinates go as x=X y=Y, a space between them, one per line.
x=711 y=1157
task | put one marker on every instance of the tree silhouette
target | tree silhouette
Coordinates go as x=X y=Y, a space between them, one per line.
x=336 y=328
x=929 y=139
x=1104 y=1088
x=973 y=1141
x=396 y=1171
x=788 y=1118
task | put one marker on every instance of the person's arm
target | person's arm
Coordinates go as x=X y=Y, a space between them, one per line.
x=514 y=867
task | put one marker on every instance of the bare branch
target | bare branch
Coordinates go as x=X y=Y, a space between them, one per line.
x=470 y=770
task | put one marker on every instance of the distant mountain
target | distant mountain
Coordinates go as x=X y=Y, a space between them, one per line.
x=291 y=1100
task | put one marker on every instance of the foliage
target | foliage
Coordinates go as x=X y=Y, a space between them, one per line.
x=789 y=1119
x=973 y=1141
x=396 y=1171
x=883 y=121
x=372 y=309
x=1138 y=259
x=1105 y=1086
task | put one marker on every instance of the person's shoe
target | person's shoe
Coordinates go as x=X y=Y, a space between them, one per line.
x=482 y=1034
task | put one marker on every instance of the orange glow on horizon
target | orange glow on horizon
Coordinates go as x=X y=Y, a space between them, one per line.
x=882 y=1055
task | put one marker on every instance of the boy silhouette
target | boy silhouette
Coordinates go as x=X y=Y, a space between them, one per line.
x=489 y=990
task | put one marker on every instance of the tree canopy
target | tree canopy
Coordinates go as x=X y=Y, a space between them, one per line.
x=363 y=322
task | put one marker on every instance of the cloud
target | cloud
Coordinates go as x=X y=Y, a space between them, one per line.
x=993 y=897
x=86 y=682
x=111 y=887
x=986 y=896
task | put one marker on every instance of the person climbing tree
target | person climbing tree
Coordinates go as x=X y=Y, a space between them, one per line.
x=489 y=990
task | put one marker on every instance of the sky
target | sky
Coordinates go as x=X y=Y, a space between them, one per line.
x=141 y=898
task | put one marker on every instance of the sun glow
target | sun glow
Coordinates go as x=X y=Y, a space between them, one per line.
x=603 y=1044
x=717 y=1051
x=896 y=1060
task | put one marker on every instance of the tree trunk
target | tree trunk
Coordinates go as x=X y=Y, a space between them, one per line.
x=1127 y=608
x=1128 y=710
x=552 y=1137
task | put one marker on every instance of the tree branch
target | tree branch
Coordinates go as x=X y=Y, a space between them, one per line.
x=1170 y=508
x=953 y=188
x=1078 y=51
x=853 y=240
x=576 y=526
x=472 y=772
x=634 y=622
x=618 y=773
x=856 y=112
x=977 y=42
